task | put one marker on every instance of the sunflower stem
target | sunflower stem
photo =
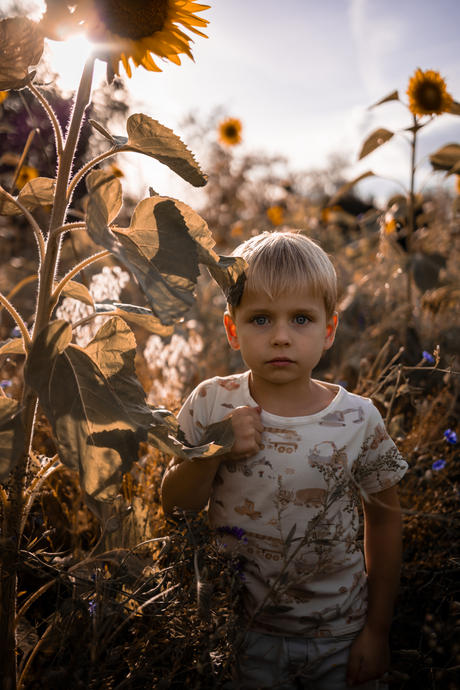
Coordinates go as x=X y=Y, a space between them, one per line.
x=410 y=217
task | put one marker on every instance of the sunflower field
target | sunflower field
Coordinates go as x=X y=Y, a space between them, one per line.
x=111 y=313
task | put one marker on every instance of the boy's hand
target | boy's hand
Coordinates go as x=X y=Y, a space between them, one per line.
x=248 y=428
x=369 y=657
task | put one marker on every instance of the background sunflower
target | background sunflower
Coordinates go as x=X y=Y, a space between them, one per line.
x=427 y=93
x=230 y=132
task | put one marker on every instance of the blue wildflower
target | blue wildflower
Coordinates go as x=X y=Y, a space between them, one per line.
x=450 y=436
x=5 y=383
x=92 y=607
x=237 y=532
x=429 y=358
x=438 y=465
x=16 y=333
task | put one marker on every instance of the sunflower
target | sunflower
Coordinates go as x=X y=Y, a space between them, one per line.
x=230 y=131
x=26 y=174
x=427 y=93
x=276 y=214
x=125 y=30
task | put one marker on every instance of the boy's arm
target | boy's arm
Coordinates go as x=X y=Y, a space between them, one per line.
x=188 y=484
x=370 y=652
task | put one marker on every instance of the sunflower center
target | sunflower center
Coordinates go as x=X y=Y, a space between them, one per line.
x=429 y=96
x=231 y=131
x=133 y=19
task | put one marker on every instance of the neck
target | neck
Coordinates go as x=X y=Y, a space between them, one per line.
x=289 y=400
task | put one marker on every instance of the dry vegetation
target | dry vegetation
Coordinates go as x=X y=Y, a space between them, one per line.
x=150 y=603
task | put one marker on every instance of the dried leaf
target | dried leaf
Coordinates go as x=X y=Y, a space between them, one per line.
x=12 y=347
x=102 y=130
x=21 y=45
x=148 y=136
x=446 y=157
x=140 y=315
x=162 y=248
x=347 y=187
x=166 y=435
x=377 y=138
x=93 y=401
x=106 y=198
x=78 y=291
x=37 y=192
x=392 y=97
x=12 y=437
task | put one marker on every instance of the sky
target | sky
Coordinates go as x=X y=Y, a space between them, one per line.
x=301 y=75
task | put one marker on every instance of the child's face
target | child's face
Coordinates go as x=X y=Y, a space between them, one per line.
x=282 y=341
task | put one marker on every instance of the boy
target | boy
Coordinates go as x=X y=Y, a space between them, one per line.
x=304 y=455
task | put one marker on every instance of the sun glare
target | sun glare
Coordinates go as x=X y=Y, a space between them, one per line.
x=68 y=59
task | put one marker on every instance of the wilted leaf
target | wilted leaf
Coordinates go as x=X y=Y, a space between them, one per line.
x=379 y=137
x=147 y=136
x=37 y=192
x=166 y=435
x=446 y=157
x=290 y=536
x=93 y=401
x=140 y=315
x=425 y=269
x=344 y=189
x=78 y=291
x=162 y=248
x=12 y=347
x=21 y=45
x=392 y=97
x=108 y=514
x=12 y=437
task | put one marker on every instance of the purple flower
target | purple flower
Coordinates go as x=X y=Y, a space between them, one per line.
x=5 y=383
x=438 y=465
x=16 y=333
x=92 y=607
x=237 y=532
x=450 y=436
x=429 y=358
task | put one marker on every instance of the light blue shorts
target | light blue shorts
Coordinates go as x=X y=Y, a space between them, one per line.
x=294 y=663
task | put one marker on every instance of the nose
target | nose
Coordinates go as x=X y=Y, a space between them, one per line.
x=280 y=335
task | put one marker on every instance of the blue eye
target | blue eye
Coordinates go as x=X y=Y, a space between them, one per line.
x=260 y=320
x=301 y=320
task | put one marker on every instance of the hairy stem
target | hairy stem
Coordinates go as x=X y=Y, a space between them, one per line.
x=30 y=138
x=81 y=173
x=21 y=325
x=79 y=267
x=51 y=115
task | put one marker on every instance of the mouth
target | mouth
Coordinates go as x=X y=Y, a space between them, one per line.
x=281 y=361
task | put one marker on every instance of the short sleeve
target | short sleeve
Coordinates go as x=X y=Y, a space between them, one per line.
x=379 y=464
x=194 y=415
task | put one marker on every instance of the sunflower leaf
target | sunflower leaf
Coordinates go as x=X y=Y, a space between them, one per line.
x=394 y=96
x=162 y=248
x=37 y=192
x=455 y=170
x=12 y=347
x=166 y=435
x=377 y=138
x=78 y=291
x=12 y=437
x=21 y=46
x=344 y=189
x=446 y=157
x=454 y=108
x=93 y=401
x=140 y=315
x=106 y=198
x=149 y=137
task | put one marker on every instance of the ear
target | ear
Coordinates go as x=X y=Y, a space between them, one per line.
x=331 y=329
x=231 y=331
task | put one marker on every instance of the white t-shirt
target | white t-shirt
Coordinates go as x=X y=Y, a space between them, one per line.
x=301 y=490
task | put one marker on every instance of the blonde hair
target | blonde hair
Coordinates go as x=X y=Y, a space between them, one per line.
x=280 y=263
